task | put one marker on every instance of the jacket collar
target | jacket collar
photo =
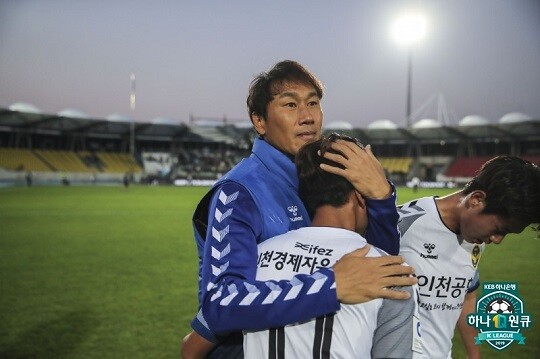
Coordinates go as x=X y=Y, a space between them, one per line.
x=276 y=161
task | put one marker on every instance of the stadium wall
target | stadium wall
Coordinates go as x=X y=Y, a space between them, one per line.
x=18 y=178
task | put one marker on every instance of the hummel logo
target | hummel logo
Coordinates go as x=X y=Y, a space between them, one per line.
x=293 y=210
x=429 y=246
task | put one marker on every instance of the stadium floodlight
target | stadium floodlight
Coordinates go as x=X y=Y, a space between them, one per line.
x=132 y=124
x=132 y=94
x=408 y=29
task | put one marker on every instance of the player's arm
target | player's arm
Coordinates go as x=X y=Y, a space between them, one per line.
x=194 y=346
x=398 y=333
x=360 y=279
x=382 y=230
x=467 y=332
x=232 y=299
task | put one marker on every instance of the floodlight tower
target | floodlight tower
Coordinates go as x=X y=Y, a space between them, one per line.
x=132 y=124
x=408 y=29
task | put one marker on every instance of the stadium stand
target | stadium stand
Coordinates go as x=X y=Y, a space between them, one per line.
x=157 y=163
x=396 y=164
x=467 y=166
x=66 y=161
x=21 y=160
x=107 y=149
x=213 y=134
x=118 y=162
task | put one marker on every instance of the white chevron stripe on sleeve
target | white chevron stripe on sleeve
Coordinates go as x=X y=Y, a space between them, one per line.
x=217 y=294
x=227 y=199
x=226 y=214
x=275 y=291
x=215 y=253
x=297 y=286
x=215 y=234
x=222 y=197
x=320 y=279
x=219 y=255
x=233 y=292
x=253 y=293
x=219 y=235
x=220 y=216
x=200 y=316
x=217 y=215
x=217 y=271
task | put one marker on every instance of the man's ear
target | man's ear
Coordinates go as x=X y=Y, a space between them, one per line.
x=259 y=124
x=360 y=199
x=477 y=198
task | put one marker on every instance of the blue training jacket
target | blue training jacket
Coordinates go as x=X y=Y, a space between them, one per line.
x=256 y=200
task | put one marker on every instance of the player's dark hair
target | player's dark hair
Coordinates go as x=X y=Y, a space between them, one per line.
x=512 y=187
x=267 y=84
x=318 y=187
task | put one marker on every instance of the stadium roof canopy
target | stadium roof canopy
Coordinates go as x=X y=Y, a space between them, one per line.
x=382 y=125
x=72 y=113
x=337 y=125
x=473 y=120
x=24 y=118
x=514 y=117
x=385 y=131
x=24 y=107
x=243 y=124
x=119 y=117
x=432 y=130
x=426 y=123
x=512 y=125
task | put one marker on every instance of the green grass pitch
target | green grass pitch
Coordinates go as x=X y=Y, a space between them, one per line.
x=109 y=272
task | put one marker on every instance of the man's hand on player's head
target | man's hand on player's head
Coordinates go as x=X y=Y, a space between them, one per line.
x=360 y=279
x=361 y=168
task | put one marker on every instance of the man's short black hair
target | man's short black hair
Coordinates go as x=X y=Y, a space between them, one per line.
x=267 y=84
x=318 y=187
x=512 y=187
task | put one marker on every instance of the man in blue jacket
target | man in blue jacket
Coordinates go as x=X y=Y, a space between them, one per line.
x=258 y=199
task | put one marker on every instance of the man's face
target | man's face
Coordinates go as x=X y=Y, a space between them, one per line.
x=293 y=118
x=477 y=227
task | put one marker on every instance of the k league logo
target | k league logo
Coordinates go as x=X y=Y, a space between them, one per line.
x=500 y=316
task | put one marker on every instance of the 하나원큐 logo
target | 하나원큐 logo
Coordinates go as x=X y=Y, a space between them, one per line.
x=500 y=315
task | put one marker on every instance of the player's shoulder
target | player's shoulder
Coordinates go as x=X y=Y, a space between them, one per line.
x=315 y=240
x=377 y=252
x=231 y=193
x=415 y=215
x=416 y=207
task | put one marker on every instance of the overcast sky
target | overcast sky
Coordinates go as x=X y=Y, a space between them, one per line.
x=198 y=57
